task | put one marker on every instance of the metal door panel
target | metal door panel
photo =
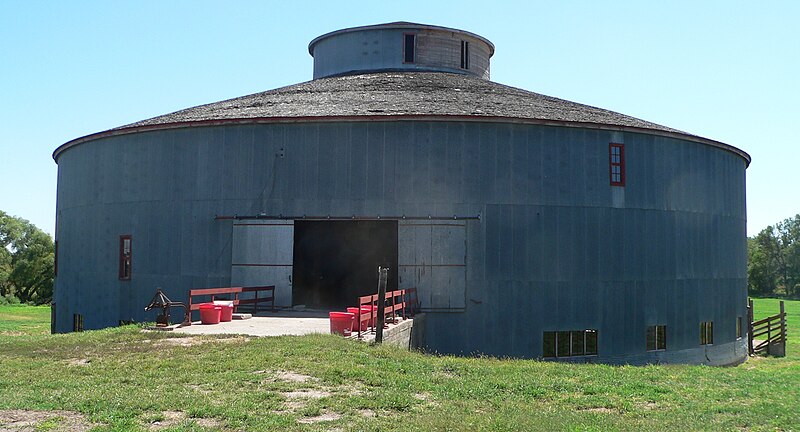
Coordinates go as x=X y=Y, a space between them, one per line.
x=262 y=254
x=432 y=258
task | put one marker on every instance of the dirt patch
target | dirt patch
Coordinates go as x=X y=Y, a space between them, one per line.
x=58 y=421
x=78 y=362
x=207 y=422
x=306 y=394
x=325 y=416
x=175 y=418
x=292 y=377
x=423 y=397
x=292 y=405
x=184 y=342
x=193 y=340
x=171 y=418
x=285 y=376
x=200 y=388
x=11 y=333
x=367 y=413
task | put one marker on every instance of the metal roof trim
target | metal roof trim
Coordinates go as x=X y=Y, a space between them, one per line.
x=405 y=117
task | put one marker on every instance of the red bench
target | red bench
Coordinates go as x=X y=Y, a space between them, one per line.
x=234 y=291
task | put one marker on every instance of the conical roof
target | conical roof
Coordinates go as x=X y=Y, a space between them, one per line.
x=400 y=94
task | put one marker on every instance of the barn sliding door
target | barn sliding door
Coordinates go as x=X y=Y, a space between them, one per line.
x=262 y=254
x=432 y=258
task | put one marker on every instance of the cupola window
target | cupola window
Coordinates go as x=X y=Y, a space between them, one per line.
x=408 y=47
x=464 y=55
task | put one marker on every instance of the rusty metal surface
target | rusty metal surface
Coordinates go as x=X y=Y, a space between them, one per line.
x=161 y=301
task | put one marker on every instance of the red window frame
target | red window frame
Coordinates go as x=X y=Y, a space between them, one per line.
x=414 y=48
x=616 y=164
x=125 y=257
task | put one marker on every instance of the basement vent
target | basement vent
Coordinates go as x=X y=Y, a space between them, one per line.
x=77 y=322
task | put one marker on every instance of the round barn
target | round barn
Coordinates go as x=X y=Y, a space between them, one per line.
x=531 y=226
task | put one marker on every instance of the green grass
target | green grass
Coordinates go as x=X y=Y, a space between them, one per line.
x=16 y=320
x=126 y=379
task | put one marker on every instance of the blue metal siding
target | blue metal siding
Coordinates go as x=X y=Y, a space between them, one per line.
x=551 y=251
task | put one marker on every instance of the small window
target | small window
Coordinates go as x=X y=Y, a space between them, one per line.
x=569 y=343
x=549 y=344
x=77 y=322
x=706 y=333
x=591 y=342
x=408 y=48
x=578 y=343
x=656 y=338
x=616 y=163
x=464 y=55
x=562 y=344
x=738 y=327
x=125 y=257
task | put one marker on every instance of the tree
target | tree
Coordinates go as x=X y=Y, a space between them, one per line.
x=26 y=261
x=773 y=263
x=760 y=274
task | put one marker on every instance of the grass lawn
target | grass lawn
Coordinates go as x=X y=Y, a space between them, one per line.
x=18 y=320
x=126 y=379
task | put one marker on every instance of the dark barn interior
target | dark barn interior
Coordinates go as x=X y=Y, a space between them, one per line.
x=337 y=261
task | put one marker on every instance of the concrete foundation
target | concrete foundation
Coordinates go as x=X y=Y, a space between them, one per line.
x=408 y=334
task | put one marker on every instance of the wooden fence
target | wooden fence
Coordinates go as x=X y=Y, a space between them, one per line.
x=768 y=335
x=400 y=302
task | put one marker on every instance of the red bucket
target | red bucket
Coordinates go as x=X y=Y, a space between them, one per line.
x=210 y=313
x=354 y=311
x=226 y=314
x=342 y=323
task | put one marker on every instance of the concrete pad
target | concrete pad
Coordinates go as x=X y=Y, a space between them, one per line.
x=293 y=322
x=262 y=326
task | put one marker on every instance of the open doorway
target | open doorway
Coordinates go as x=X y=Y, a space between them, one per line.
x=337 y=261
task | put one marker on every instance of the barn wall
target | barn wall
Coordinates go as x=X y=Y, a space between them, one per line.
x=556 y=248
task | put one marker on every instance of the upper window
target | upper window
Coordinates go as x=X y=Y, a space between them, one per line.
x=656 y=338
x=125 y=257
x=409 y=42
x=706 y=333
x=616 y=164
x=569 y=343
x=464 y=55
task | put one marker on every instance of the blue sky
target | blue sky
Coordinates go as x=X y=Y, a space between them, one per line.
x=725 y=70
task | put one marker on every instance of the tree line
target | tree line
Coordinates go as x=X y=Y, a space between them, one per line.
x=773 y=259
x=27 y=267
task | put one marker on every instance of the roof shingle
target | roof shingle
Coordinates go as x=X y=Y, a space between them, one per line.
x=401 y=93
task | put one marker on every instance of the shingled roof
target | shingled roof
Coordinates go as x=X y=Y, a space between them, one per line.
x=401 y=94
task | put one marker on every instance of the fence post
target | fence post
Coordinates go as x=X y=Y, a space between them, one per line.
x=383 y=276
x=783 y=324
x=750 y=326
